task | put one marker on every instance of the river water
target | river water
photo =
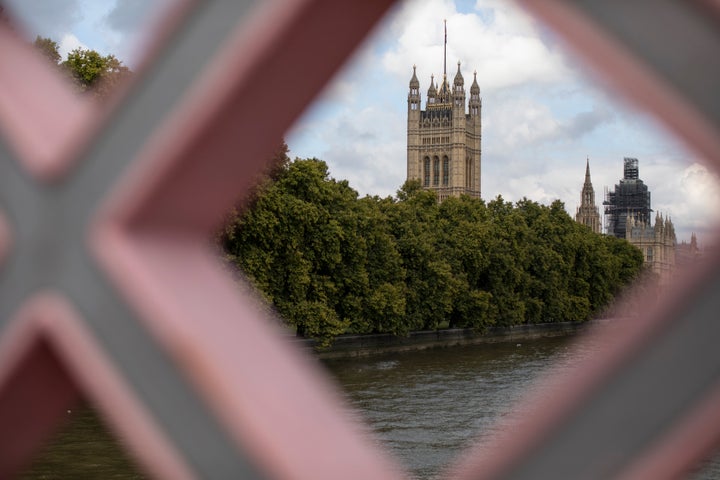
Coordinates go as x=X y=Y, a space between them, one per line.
x=426 y=406
x=423 y=406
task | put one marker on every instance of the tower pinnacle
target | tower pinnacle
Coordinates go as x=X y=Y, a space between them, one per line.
x=587 y=171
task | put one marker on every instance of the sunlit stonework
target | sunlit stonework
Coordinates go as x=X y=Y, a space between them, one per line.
x=657 y=243
x=443 y=141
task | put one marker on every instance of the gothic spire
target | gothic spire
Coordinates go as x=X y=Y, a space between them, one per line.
x=587 y=171
x=588 y=192
x=475 y=88
x=432 y=90
x=414 y=82
x=459 y=80
x=587 y=212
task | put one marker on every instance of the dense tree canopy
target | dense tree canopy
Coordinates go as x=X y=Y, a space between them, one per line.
x=333 y=263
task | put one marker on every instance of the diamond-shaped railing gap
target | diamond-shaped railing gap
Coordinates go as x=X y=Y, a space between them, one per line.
x=38 y=388
x=49 y=360
x=83 y=447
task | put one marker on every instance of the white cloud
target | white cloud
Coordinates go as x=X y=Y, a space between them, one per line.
x=521 y=121
x=585 y=122
x=68 y=43
x=362 y=146
x=691 y=196
x=503 y=46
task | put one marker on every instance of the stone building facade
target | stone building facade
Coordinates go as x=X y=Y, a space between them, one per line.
x=588 y=213
x=443 y=140
x=687 y=253
x=657 y=243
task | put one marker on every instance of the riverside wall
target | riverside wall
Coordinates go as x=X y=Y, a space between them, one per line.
x=364 y=345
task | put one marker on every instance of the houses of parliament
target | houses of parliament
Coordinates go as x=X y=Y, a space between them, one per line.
x=628 y=215
x=444 y=155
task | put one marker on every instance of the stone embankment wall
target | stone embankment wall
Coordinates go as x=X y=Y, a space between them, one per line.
x=363 y=345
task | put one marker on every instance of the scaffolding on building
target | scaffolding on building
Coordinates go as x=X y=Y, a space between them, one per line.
x=629 y=198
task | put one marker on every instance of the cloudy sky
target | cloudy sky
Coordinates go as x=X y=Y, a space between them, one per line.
x=543 y=112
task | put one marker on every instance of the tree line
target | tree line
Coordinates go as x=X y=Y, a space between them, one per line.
x=331 y=262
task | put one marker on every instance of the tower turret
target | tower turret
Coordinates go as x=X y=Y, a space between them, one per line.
x=459 y=80
x=475 y=102
x=459 y=90
x=670 y=229
x=432 y=91
x=414 y=94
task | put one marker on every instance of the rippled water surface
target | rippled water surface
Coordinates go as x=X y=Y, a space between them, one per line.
x=426 y=406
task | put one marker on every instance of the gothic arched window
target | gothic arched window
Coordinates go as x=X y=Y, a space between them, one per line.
x=468 y=173
x=426 y=172
x=446 y=171
x=436 y=171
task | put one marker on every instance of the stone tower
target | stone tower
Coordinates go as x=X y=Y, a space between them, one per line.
x=627 y=213
x=587 y=212
x=629 y=198
x=443 y=141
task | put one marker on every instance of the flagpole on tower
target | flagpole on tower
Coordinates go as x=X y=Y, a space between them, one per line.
x=445 y=51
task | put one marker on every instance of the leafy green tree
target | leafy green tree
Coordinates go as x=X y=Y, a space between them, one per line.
x=332 y=263
x=383 y=305
x=462 y=240
x=93 y=72
x=87 y=69
x=431 y=287
x=49 y=49
x=298 y=246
